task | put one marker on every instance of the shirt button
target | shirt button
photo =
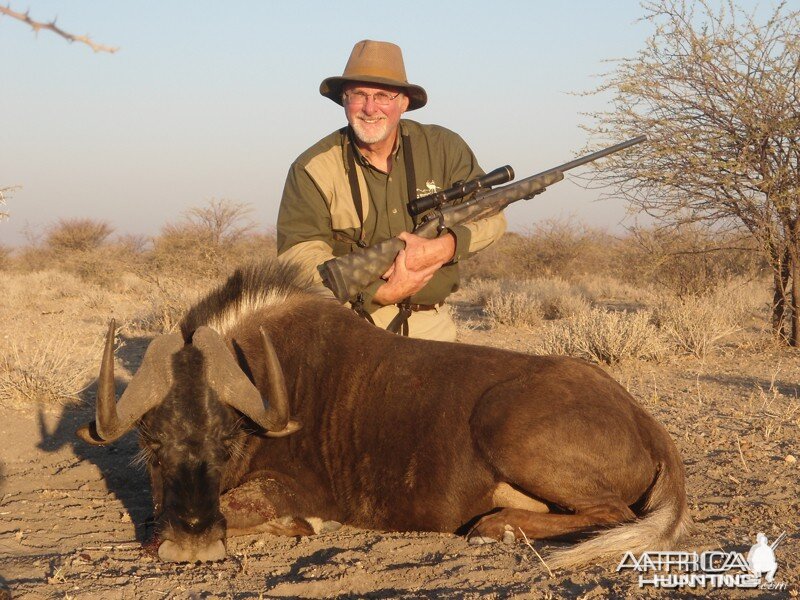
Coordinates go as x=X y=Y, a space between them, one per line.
x=390 y=178
x=394 y=211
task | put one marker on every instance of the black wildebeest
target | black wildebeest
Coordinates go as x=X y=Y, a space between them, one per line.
x=390 y=432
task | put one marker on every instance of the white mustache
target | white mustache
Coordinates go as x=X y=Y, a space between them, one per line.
x=364 y=117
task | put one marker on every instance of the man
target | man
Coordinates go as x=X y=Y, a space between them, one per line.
x=352 y=188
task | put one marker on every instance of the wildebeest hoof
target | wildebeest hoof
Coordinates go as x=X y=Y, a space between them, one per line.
x=171 y=552
x=321 y=526
x=479 y=540
x=329 y=526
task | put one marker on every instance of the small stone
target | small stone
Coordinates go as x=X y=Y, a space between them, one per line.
x=479 y=540
x=790 y=459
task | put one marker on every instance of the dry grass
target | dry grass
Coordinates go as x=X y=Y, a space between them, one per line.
x=5 y=257
x=771 y=410
x=165 y=303
x=52 y=372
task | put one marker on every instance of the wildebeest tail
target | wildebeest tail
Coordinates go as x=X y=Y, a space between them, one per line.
x=665 y=522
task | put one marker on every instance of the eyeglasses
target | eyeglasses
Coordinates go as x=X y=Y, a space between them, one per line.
x=360 y=98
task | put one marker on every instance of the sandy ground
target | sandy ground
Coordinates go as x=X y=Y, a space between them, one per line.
x=73 y=517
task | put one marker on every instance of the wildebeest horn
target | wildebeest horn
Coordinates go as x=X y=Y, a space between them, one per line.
x=106 y=411
x=278 y=394
x=234 y=388
x=148 y=387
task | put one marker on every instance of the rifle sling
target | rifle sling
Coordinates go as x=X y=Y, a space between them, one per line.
x=355 y=189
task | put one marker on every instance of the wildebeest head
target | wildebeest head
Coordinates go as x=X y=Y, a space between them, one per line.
x=187 y=399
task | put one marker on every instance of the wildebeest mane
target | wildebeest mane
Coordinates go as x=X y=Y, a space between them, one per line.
x=250 y=288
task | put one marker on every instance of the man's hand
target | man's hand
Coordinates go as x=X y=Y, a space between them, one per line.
x=422 y=253
x=415 y=266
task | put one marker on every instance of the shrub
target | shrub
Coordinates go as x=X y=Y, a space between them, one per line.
x=525 y=303
x=188 y=249
x=603 y=336
x=514 y=308
x=695 y=324
x=222 y=221
x=557 y=297
x=688 y=260
x=550 y=248
x=600 y=287
x=71 y=235
x=208 y=242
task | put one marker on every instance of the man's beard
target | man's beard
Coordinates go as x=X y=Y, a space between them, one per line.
x=370 y=137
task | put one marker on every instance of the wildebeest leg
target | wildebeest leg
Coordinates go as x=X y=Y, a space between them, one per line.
x=537 y=525
x=264 y=504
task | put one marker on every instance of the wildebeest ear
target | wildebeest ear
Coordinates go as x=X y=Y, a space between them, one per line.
x=88 y=433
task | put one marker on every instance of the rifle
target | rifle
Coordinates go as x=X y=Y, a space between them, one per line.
x=347 y=275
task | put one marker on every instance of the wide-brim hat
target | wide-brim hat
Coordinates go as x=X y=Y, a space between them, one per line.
x=375 y=62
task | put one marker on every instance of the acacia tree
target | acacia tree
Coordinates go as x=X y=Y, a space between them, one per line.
x=5 y=192
x=716 y=91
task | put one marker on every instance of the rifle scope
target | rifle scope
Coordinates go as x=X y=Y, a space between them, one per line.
x=459 y=190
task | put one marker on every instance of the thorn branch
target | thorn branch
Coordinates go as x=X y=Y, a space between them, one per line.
x=38 y=25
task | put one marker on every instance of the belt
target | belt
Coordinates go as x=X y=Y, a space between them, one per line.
x=418 y=307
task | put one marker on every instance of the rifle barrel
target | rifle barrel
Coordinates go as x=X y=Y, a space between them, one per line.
x=600 y=153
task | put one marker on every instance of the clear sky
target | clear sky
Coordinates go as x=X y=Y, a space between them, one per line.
x=216 y=99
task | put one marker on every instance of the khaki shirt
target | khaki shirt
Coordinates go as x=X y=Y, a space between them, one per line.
x=317 y=219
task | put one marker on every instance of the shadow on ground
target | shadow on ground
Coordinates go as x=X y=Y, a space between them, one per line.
x=127 y=482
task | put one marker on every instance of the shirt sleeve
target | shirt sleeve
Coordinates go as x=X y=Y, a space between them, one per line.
x=474 y=237
x=304 y=224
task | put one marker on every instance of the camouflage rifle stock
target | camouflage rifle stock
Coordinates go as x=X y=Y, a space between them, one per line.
x=347 y=275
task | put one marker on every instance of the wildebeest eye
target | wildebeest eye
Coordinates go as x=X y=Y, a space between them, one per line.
x=231 y=437
x=229 y=441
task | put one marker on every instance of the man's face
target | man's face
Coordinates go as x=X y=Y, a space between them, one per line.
x=373 y=121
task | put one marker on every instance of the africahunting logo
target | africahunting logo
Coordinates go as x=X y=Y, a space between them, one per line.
x=715 y=568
